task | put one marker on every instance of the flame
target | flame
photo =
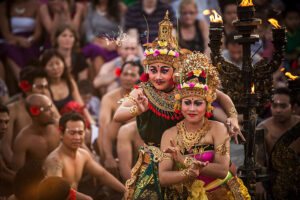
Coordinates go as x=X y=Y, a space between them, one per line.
x=245 y=3
x=216 y=17
x=253 y=89
x=274 y=22
x=282 y=69
x=206 y=12
x=291 y=76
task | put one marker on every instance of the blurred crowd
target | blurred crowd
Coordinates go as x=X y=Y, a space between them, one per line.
x=75 y=61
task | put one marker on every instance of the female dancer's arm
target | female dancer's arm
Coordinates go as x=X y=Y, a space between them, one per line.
x=166 y=174
x=220 y=166
x=133 y=105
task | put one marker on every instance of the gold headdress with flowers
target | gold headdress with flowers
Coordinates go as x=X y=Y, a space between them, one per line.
x=164 y=48
x=197 y=77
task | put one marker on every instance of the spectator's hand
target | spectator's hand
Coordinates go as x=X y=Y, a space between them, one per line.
x=234 y=129
x=260 y=191
x=112 y=166
x=23 y=42
x=175 y=152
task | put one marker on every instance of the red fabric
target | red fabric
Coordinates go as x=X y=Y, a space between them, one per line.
x=72 y=195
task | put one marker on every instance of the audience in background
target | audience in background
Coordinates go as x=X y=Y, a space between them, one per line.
x=193 y=33
x=64 y=40
x=101 y=26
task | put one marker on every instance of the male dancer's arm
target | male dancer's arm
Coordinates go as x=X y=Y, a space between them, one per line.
x=19 y=156
x=229 y=108
x=53 y=166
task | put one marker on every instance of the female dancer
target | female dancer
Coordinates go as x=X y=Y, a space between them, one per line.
x=153 y=105
x=199 y=147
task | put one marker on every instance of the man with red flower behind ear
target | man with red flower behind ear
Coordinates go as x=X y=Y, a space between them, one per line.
x=33 y=81
x=40 y=137
x=129 y=74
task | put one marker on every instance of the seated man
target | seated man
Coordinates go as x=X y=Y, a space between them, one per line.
x=70 y=162
x=129 y=75
x=282 y=141
x=128 y=143
x=6 y=174
x=33 y=81
x=40 y=136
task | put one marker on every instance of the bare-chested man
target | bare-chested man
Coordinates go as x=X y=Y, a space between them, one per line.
x=6 y=174
x=130 y=73
x=33 y=81
x=69 y=161
x=128 y=143
x=280 y=125
x=106 y=80
x=39 y=137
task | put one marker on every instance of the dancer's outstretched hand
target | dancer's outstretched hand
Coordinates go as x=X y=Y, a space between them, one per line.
x=141 y=102
x=197 y=167
x=234 y=129
x=175 y=152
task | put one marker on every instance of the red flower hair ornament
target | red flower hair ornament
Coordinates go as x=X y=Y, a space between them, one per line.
x=144 y=77
x=60 y=128
x=35 y=111
x=25 y=86
x=118 y=72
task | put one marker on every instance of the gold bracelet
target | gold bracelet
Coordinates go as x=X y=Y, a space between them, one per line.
x=134 y=110
x=184 y=172
x=130 y=98
x=188 y=161
x=233 y=113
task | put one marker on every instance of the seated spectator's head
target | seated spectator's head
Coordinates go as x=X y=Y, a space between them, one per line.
x=129 y=46
x=130 y=74
x=54 y=65
x=72 y=126
x=55 y=188
x=281 y=106
x=229 y=10
x=235 y=50
x=85 y=88
x=39 y=108
x=27 y=180
x=291 y=17
x=33 y=80
x=64 y=36
x=4 y=119
x=113 y=8
x=188 y=12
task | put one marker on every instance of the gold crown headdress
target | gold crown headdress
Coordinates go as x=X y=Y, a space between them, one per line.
x=197 y=77
x=164 y=48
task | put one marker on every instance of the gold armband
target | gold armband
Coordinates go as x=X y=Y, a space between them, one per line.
x=233 y=112
x=222 y=149
x=130 y=98
x=188 y=161
x=134 y=110
x=167 y=156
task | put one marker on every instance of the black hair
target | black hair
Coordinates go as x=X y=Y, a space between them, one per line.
x=27 y=179
x=30 y=73
x=135 y=63
x=72 y=116
x=4 y=109
x=85 y=87
x=284 y=91
x=224 y=3
x=229 y=39
x=113 y=9
x=54 y=188
x=47 y=55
